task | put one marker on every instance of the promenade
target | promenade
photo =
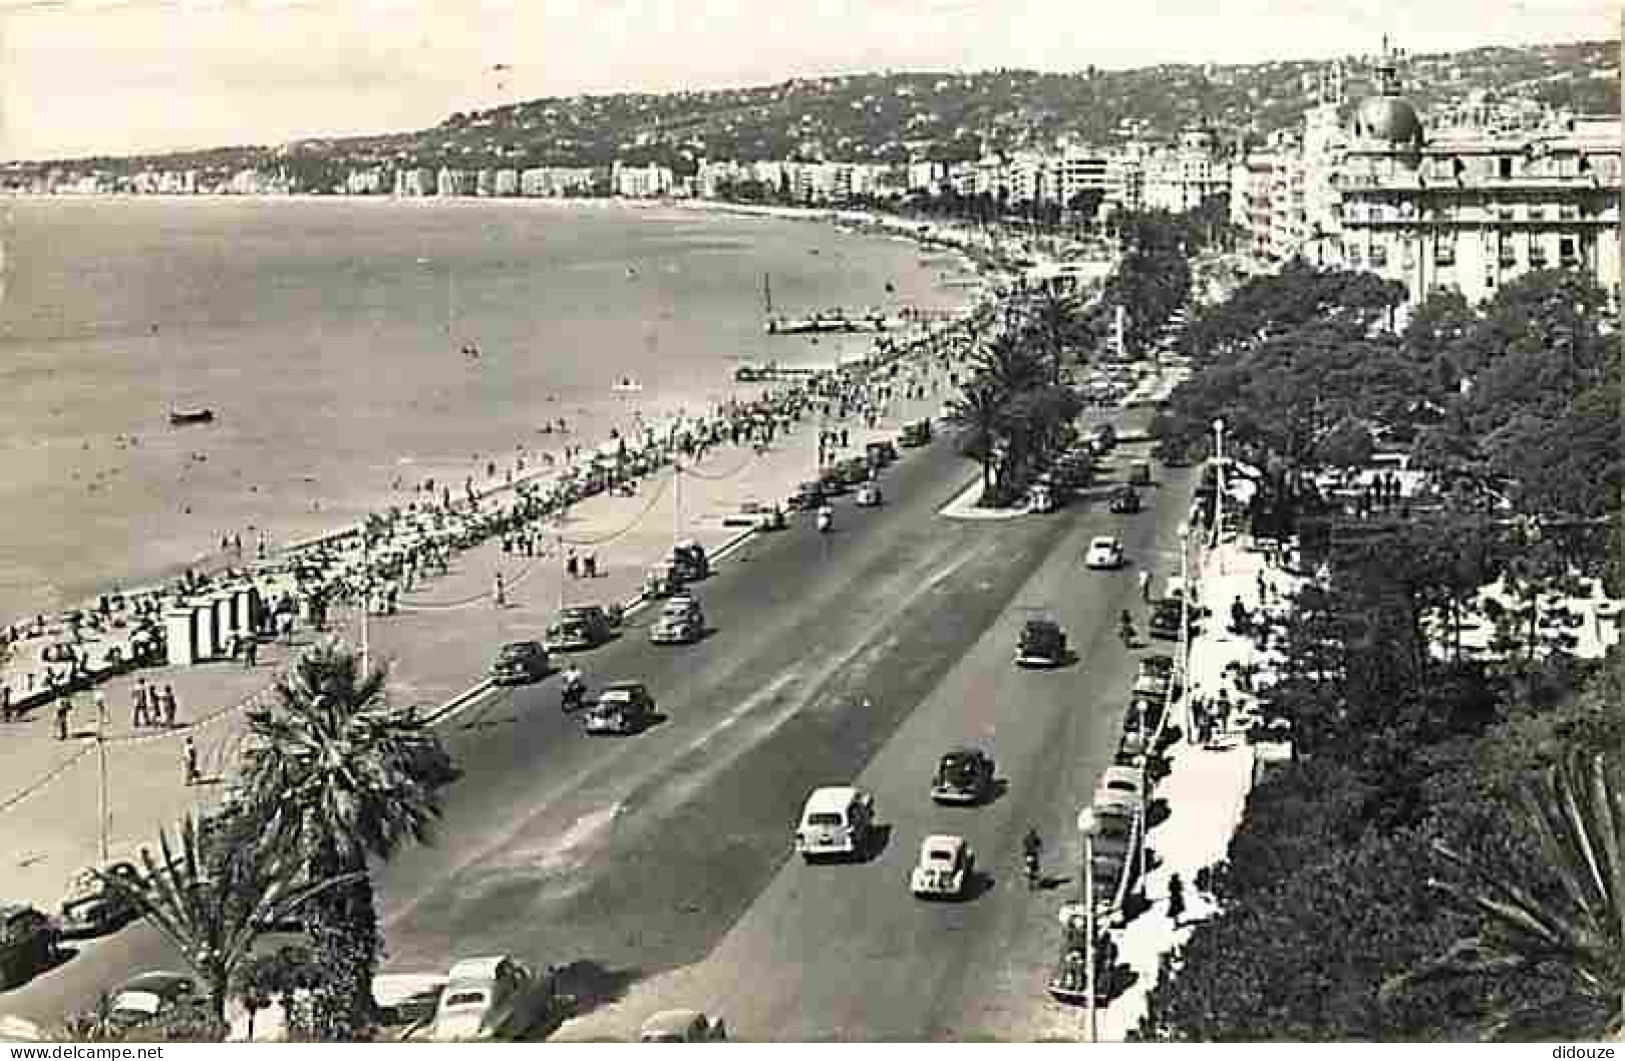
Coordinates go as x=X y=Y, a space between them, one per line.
x=445 y=630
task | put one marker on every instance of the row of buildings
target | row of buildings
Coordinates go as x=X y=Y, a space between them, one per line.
x=1494 y=190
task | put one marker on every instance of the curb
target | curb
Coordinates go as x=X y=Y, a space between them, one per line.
x=628 y=608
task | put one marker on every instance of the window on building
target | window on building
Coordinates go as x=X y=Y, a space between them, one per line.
x=1504 y=168
x=1567 y=252
x=1569 y=212
x=1506 y=214
x=1379 y=256
x=1537 y=254
x=1444 y=251
x=1507 y=254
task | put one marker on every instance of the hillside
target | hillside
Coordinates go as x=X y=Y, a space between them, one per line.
x=889 y=117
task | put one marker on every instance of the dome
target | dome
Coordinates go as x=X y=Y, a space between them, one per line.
x=1390 y=118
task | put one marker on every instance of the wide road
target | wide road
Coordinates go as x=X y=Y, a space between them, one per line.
x=858 y=654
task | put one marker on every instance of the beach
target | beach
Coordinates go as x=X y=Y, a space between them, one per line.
x=353 y=353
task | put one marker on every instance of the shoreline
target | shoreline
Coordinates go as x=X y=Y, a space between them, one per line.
x=162 y=576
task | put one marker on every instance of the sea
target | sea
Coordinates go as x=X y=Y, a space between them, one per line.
x=352 y=350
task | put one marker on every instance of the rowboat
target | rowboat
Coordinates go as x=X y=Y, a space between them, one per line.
x=181 y=417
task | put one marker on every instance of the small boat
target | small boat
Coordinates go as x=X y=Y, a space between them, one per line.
x=628 y=385
x=182 y=417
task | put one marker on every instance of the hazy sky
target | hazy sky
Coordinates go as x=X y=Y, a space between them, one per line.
x=117 y=76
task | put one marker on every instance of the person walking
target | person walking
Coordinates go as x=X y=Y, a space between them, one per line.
x=499 y=592
x=1145 y=586
x=138 y=707
x=251 y=651
x=1176 y=899
x=64 y=711
x=590 y=563
x=189 y=761
x=100 y=701
x=169 y=706
x=5 y=696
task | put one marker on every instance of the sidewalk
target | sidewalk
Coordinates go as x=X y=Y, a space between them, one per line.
x=48 y=805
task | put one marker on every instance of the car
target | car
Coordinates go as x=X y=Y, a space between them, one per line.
x=880 y=454
x=964 y=775
x=1104 y=437
x=491 y=999
x=854 y=471
x=837 y=821
x=832 y=482
x=622 y=708
x=944 y=869
x=662 y=580
x=681 y=622
x=1042 y=644
x=520 y=661
x=30 y=943
x=1129 y=780
x=1041 y=498
x=1125 y=501
x=150 y=996
x=406 y=1002
x=578 y=627
x=868 y=495
x=1167 y=615
x=93 y=907
x=682 y=1026
x=808 y=496
x=916 y=434
x=1156 y=676
x=1104 y=554
x=690 y=560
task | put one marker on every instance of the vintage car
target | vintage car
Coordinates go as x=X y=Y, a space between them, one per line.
x=1041 y=498
x=964 y=775
x=836 y=821
x=579 y=627
x=880 y=454
x=916 y=434
x=29 y=944
x=770 y=518
x=662 y=580
x=1042 y=644
x=491 y=999
x=808 y=496
x=1104 y=554
x=944 y=870
x=869 y=495
x=689 y=558
x=1104 y=438
x=622 y=709
x=405 y=1003
x=518 y=662
x=1139 y=473
x=149 y=996
x=93 y=907
x=1166 y=617
x=682 y=1026
x=854 y=471
x=1156 y=675
x=1125 y=501
x=681 y=622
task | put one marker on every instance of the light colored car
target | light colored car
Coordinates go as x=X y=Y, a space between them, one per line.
x=869 y=496
x=681 y=622
x=944 y=869
x=682 y=1026
x=836 y=821
x=406 y=1001
x=147 y=997
x=623 y=708
x=489 y=999
x=1105 y=552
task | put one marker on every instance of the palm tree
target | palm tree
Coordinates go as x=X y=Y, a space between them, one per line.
x=212 y=913
x=341 y=777
x=1055 y=320
x=980 y=407
x=1578 y=817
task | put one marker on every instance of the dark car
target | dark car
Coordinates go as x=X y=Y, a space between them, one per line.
x=581 y=626
x=1042 y=644
x=1125 y=501
x=808 y=496
x=151 y=996
x=853 y=471
x=916 y=434
x=690 y=560
x=518 y=662
x=93 y=907
x=831 y=481
x=965 y=775
x=29 y=943
x=1165 y=619
x=623 y=708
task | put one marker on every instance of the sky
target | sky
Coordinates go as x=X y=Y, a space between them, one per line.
x=82 y=77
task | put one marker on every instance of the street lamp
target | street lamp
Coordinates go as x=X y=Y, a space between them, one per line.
x=1089 y=827
x=1218 y=469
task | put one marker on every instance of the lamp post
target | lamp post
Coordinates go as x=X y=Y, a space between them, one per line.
x=1184 y=533
x=1218 y=483
x=101 y=790
x=1088 y=827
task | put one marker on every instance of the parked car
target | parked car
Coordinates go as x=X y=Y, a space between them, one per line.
x=520 y=661
x=29 y=944
x=836 y=821
x=1041 y=499
x=854 y=471
x=1155 y=677
x=92 y=907
x=581 y=626
x=880 y=454
x=944 y=869
x=964 y=775
x=1166 y=616
x=1104 y=554
x=1042 y=644
x=681 y=622
x=1125 y=501
x=149 y=996
x=916 y=434
x=491 y=999
x=808 y=496
x=689 y=558
x=1104 y=437
x=623 y=708
x=406 y=1002
x=682 y=1026
x=868 y=495
x=662 y=580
